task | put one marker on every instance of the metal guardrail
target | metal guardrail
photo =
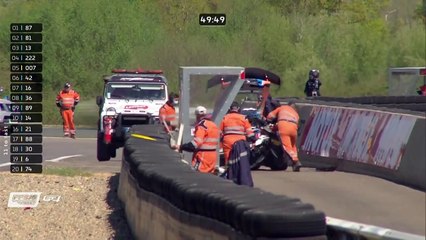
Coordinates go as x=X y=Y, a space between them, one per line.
x=353 y=230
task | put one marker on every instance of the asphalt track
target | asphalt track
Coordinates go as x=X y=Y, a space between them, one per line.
x=66 y=152
x=353 y=197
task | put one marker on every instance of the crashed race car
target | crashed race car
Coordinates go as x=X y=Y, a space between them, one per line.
x=267 y=150
x=252 y=95
x=131 y=97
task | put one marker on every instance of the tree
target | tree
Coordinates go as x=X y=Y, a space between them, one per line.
x=307 y=6
x=420 y=12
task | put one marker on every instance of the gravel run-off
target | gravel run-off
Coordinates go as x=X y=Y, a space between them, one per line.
x=88 y=208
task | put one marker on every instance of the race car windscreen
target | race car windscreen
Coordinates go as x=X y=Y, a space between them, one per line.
x=136 y=91
x=248 y=98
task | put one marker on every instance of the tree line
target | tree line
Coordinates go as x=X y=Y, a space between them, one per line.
x=352 y=43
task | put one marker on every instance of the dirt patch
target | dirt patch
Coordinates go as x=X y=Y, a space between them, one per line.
x=89 y=208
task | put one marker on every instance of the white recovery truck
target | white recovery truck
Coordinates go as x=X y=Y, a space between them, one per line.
x=130 y=97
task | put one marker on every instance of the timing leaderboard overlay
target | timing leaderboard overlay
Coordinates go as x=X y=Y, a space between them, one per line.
x=25 y=127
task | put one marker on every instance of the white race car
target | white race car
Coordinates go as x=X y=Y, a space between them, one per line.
x=5 y=115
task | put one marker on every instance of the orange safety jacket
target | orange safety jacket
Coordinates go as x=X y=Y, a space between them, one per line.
x=167 y=113
x=284 y=113
x=206 y=136
x=67 y=99
x=236 y=124
x=203 y=146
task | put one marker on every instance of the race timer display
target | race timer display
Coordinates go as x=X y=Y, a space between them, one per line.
x=24 y=131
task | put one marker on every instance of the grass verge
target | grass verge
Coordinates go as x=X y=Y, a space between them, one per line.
x=86 y=113
x=65 y=171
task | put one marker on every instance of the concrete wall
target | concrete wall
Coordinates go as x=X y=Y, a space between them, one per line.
x=390 y=144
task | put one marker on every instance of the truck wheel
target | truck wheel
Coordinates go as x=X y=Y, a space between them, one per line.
x=103 y=153
x=112 y=151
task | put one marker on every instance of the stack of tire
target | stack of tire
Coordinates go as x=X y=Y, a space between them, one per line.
x=250 y=211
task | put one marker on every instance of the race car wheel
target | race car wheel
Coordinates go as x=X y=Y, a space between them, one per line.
x=102 y=151
x=280 y=163
x=256 y=167
x=255 y=158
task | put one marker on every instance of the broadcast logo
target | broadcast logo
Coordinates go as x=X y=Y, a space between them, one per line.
x=23 y=199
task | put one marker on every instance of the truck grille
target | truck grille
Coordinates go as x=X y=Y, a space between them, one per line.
x=128 y=120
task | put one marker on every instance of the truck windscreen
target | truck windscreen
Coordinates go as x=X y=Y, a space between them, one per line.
x=136 y=91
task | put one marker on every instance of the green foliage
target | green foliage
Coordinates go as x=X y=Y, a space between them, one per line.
x=352 y=42
x=364 y=10
x=420 y=12
x=308 y=6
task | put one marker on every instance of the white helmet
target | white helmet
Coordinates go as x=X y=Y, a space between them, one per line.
x=200 y=110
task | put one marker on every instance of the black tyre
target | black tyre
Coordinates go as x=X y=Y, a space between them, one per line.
x=256 y=167
x=102 y=151
x=279 y=162
x=256 y=162
x=240 y=208
x=258 y=158
x=284 y=221
x=112 y=151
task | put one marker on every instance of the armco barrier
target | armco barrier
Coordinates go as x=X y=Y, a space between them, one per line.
x=413 y=103
x=374 y=99
x=342 y=229
x=165 y=199
x=418 y=107
x=363 y=139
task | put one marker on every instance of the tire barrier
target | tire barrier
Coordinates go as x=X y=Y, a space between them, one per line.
x=165 y=199
x=363 y=139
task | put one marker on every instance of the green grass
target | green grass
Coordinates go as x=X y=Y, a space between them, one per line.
x=65 y=171
x=86 y=113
